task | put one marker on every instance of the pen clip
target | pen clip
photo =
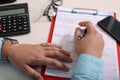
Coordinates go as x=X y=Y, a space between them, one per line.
x=85 y=11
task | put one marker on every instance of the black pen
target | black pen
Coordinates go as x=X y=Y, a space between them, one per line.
x=82 y=34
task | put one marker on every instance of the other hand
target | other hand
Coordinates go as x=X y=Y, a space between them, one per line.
x=92 y=43
x=27 y=56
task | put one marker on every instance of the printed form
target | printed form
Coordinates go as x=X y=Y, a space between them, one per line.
x=63 y=35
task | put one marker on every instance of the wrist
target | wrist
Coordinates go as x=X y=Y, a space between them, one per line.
x=5 y=46
x=95 y=54
x=7 y=43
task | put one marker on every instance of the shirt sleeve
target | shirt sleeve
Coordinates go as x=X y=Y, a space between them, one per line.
x=88 y=68
x=1 y=40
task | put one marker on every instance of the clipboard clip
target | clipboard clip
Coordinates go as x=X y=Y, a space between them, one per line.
x=85 y=11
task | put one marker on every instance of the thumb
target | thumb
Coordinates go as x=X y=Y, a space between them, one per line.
x=88 y=25
x=33 y=73
x=77 y=33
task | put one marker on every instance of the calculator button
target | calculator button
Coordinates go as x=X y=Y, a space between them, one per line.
x=25 y=29
x=20 y=28
x=25 y=25
x=14 y=29
x=4 y=25
x=25 y=22
x=9 y=21
x=4 y=31
x=14 y=26
x=4 y=22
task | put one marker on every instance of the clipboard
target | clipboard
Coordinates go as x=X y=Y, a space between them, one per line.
x=79 y=11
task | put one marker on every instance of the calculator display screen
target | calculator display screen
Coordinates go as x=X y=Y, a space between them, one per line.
x=13 y=11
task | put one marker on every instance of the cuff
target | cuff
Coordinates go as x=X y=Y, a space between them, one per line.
x=88 y=67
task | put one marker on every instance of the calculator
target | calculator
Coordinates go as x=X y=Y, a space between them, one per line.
x=14 y=20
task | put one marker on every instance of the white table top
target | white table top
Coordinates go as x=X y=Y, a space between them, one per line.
x=40 y=28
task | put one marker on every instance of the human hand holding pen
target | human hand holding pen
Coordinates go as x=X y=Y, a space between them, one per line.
x=92 y=43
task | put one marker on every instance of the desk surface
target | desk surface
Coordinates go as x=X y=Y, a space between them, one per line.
x=40 y=27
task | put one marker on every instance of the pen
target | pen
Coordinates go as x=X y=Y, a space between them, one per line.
x=82 y=34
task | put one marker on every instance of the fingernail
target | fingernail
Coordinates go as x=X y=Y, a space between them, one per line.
x=66 y=68
x=40 y=79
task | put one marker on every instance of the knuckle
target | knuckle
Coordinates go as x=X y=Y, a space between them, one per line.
x=53 y=62
x=88 y=23
x=34 y=76
x=53 y=52
x=38 y=47
x=25 y=68
x=37 y=58
x=50 y=48
x=100 y=35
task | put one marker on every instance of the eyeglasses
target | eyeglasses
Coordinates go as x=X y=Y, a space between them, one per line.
x=50 y=10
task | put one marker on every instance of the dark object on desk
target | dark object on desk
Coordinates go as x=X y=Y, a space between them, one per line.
x=14 y=20
x=51 y=9
x=6 y=1
x=111 y=26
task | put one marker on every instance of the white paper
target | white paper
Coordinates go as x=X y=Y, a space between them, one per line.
x=63 y=35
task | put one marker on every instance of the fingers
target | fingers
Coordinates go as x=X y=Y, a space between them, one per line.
x=55 y=63
x=60 y=55
x=57 y=53
x=77 y=32
x=51 y=62
x=49 y=45
x=33 y=73
x=88 y=25
x=65 y=53
x=55 y=49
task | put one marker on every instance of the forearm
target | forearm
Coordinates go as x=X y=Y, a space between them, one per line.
x=88 y=68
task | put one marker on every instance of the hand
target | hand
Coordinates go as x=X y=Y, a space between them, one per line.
x=26 y=56
x=92 y=43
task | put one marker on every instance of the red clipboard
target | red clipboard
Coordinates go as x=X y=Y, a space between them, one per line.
x=118 y=48
x=46 y=77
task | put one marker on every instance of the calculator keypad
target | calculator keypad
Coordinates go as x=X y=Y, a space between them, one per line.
x=14 y=25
